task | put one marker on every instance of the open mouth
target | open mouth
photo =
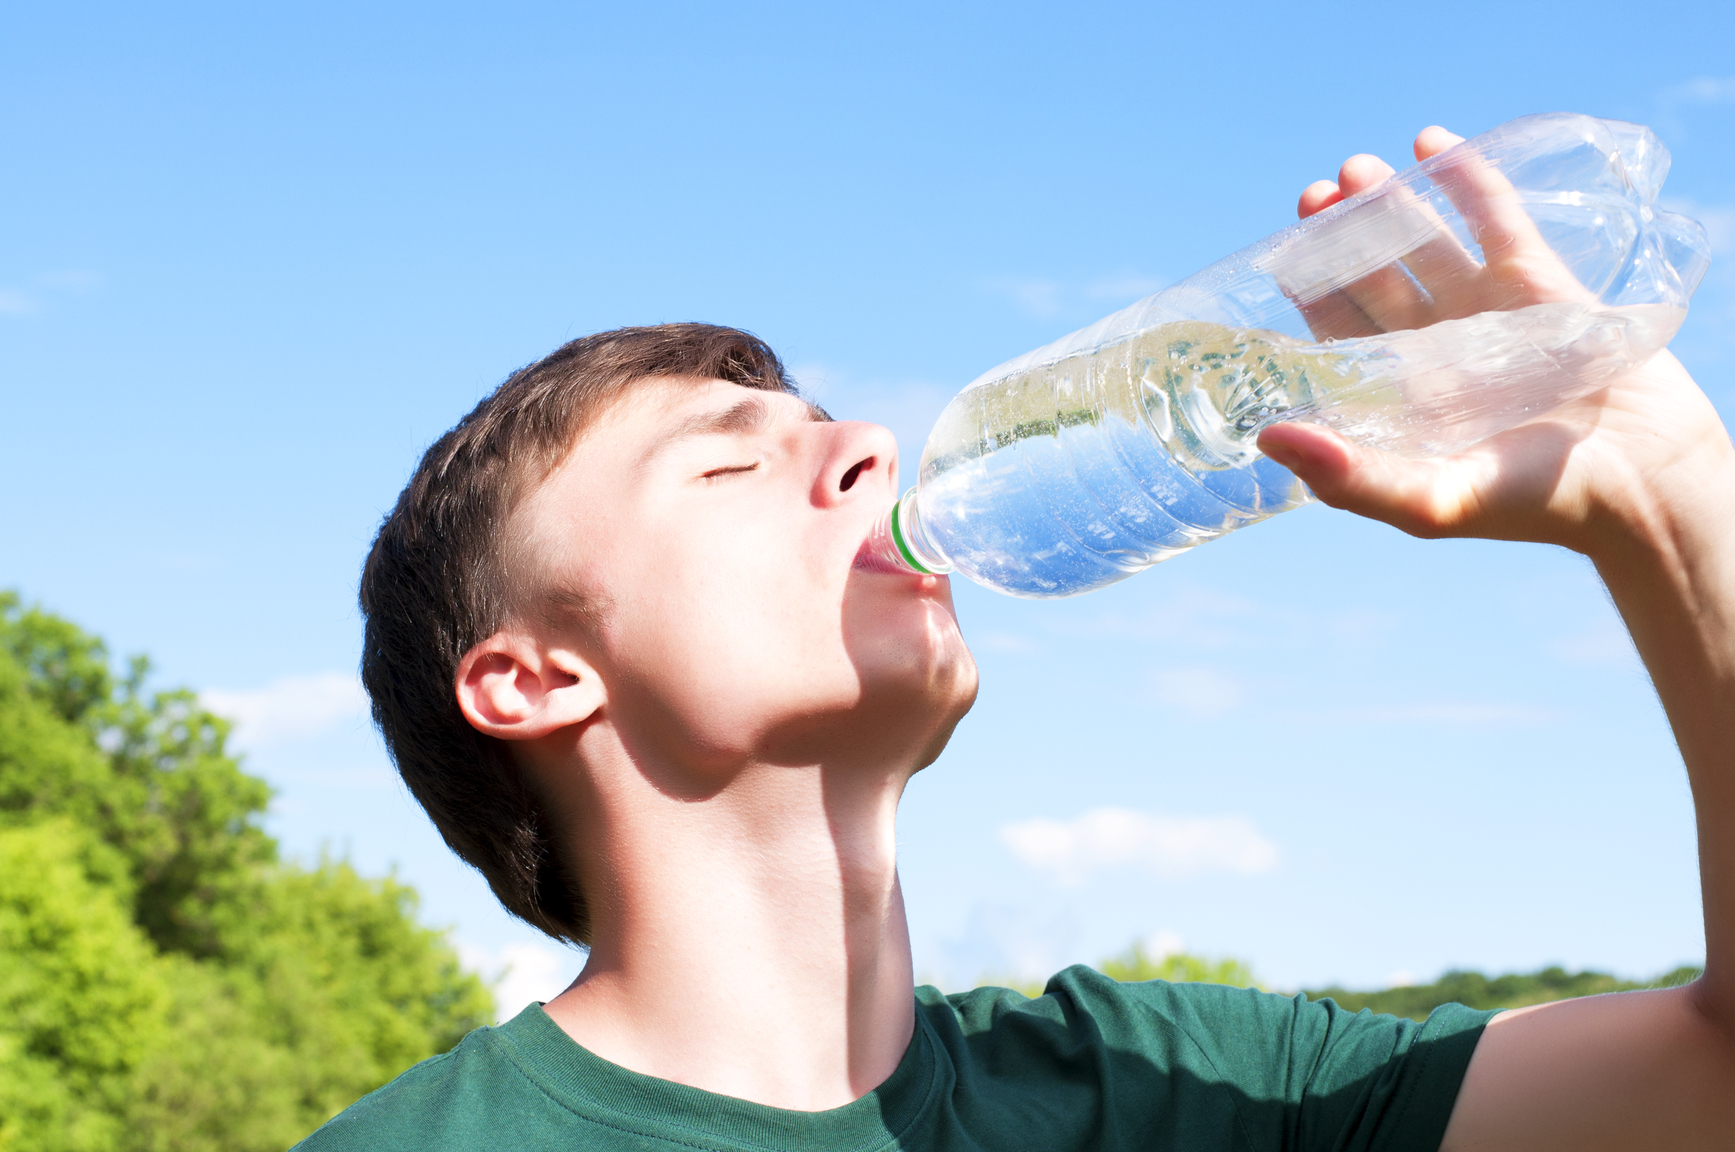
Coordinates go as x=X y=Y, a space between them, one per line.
x=881 y=551
x=870 y=559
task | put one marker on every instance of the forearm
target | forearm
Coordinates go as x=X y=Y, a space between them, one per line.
x=1644 y=1069
x=1668 y=559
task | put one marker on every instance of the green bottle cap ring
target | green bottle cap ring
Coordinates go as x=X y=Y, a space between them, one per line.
x=903 y=548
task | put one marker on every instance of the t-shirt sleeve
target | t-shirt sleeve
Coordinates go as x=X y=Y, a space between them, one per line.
x=1302 y=1075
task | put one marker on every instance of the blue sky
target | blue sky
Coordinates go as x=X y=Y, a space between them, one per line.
x=253 y=261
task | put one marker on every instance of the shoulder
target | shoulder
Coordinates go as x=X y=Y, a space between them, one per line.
x=1155 y=1028
x=1214 y=1058
x=1081 y=998
x=1169 y=1065
x=464 y=1098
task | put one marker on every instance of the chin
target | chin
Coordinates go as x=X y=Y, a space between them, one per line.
x=963 y=695
x=915 y=670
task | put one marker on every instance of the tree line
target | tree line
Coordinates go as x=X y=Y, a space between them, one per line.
x=167 y=980
x=1459 y=986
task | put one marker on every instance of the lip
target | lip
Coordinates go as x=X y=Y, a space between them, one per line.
x=869 y=563
x=878 y=551
x=868 y=559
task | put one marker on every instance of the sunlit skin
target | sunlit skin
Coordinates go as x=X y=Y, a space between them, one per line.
x=728 y=739
x=729 y=742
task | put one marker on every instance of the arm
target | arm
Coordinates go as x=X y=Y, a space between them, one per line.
x=1640 y=478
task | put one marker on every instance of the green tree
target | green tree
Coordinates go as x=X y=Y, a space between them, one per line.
x=1137 y=963
x=166 y=981
x=1513 y=990
x=83 y=995
x=1178 y=968
x=1473 y=989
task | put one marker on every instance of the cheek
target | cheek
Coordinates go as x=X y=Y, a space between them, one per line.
x=723 y=642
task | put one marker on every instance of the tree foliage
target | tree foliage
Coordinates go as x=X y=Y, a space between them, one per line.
x=1139 y=963
x=166 y=981
x=1513 y=990
x=1473 y=989
x=1178 y=968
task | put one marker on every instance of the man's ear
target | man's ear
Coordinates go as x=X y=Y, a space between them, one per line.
x=510 y=687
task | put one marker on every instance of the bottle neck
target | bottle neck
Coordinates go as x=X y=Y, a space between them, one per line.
x=910 y=535
x=900 y=543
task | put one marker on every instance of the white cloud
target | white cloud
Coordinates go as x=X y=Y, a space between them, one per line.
x=1025 y=942
x=1719 y=221
x=1032 y=295
x=1193 y=618
x=1720 y=227
x=1607 y=645
x=1199 y=693
x=1045 y=299
x=1164 y=846
x=71 y=279
x=1702 y=90
x=1163 y=943
x=290 y=708
x=17 y=302
x=1402 y=978
x=1458 y=713
x=1010 y=643
x=521 y=973
x=1122 y=288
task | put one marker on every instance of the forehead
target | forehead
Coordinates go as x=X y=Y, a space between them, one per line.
x=650 y=415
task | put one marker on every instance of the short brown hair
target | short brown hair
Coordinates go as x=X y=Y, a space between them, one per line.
x=434 y=586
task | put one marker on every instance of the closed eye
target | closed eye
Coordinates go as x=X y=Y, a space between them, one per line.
x=730 y=469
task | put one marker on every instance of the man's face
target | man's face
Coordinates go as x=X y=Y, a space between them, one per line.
x=716 y=529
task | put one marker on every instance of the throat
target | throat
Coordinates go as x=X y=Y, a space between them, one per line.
x=757 y=949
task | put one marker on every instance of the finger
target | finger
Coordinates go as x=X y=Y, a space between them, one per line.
x=1450 y=275
x=1521 y=266
x=1388 y=296
x=1316 y=197
x=1444 y=267
x=1428 y=498
x=1433 y=140
x=1361 y=172
x=1392 y=299
x=1336 y=316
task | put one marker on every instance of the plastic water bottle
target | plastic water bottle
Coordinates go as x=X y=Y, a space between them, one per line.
x=1482 y=288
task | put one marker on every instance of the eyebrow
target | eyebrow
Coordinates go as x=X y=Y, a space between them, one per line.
x=744 y=417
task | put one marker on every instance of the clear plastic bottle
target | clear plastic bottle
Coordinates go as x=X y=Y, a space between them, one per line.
x=1479 y=289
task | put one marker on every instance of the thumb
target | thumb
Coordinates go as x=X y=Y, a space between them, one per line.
x=1427 y=498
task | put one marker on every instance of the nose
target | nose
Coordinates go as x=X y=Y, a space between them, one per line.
x=860 y=461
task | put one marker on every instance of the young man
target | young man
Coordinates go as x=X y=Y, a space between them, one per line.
x=620 y=650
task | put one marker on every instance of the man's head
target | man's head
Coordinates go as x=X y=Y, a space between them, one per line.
x=646 y=538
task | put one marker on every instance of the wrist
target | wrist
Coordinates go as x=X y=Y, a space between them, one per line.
x=1671 y=532
x=1661 y=500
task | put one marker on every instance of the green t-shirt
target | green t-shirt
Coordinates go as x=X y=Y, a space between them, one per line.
x=1090 y=1064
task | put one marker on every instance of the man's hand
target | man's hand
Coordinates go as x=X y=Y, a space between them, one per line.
x=1640 y=477
x=1587 y=476
x=1577 y=478
x=1440 y=279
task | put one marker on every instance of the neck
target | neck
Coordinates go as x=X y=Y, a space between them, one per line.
x=751 y=943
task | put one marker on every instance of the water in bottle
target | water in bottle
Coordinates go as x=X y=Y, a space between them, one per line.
x=1395 y=318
